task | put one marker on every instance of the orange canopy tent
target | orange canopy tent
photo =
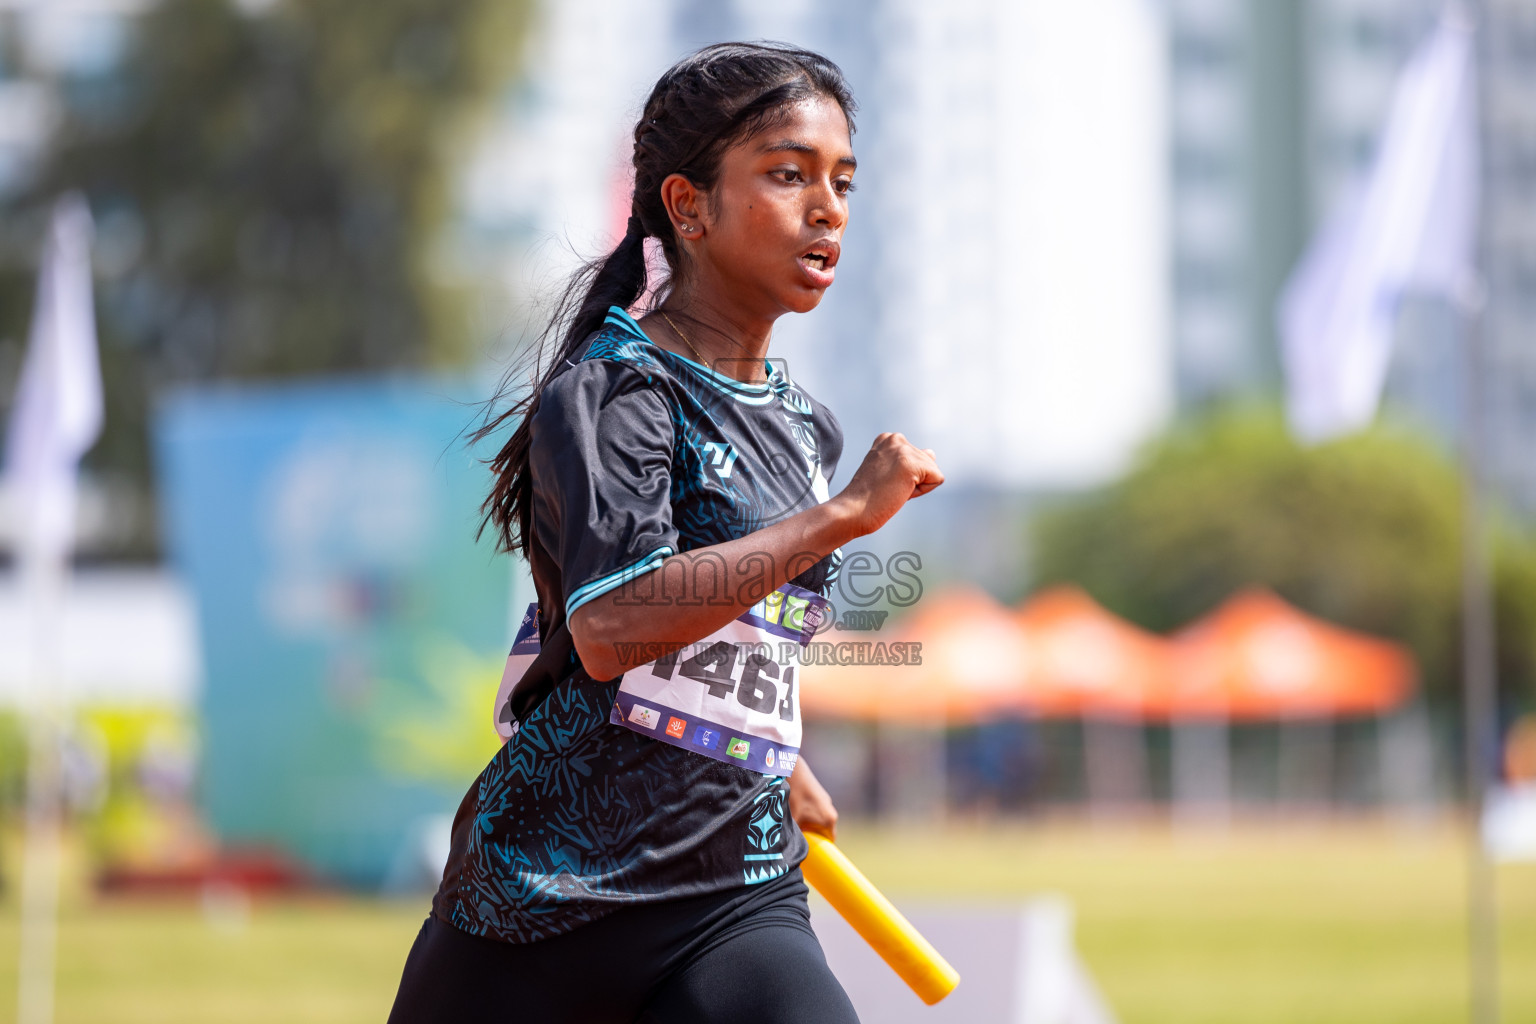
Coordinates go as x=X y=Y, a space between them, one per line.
x=1084 y=660
x=1061 y=654
x=1258 y=657
x=972 y=659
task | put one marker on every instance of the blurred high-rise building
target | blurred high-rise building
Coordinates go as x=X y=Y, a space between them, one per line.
x=1003 y=299
x=1509 y=243
x=1275 y=110
x=1236 y=209
x=1069 y=213
x=1003 y=293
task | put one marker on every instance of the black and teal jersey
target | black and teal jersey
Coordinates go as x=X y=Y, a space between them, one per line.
x=637 y=453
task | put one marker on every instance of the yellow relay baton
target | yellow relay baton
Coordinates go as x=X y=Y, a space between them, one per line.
x=877 y=921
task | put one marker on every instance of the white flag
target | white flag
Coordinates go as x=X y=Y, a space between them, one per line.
x=58 y=410
x=1411 y=225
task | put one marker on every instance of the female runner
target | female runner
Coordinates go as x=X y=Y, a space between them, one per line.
x=626 y=855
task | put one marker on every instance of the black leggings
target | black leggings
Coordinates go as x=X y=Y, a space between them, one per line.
x=744 y=958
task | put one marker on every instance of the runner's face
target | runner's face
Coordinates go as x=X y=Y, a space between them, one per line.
x=774 y=228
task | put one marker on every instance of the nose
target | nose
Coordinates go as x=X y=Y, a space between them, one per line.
x=828 y=208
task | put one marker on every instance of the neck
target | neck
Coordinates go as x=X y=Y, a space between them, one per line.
x=732 y=341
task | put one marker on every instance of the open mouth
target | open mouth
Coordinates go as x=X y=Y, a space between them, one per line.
x=820 y=258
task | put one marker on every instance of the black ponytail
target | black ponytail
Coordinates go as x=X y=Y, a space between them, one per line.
x=702 y=106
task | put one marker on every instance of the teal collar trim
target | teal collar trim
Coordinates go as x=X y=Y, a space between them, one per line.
x=755 y=393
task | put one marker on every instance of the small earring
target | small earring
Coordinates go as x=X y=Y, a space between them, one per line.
x=686 y=227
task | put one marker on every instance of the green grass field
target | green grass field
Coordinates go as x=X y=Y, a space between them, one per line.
x=1263 y=924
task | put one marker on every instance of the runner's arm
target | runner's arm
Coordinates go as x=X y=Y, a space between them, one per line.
x=620 y=628
x=715 y=585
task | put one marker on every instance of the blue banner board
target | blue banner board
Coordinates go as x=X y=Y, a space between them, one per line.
x=352 y=628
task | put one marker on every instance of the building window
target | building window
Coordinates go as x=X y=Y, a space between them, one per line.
x=1201 y=52
x=1376 y=37
x=1197 y=166
x=1201 y=279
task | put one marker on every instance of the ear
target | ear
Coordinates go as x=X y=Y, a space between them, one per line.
x=685 y=206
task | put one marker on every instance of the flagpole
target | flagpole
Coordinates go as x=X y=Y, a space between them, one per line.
x=1480 y=687
x=1414 y=225
x=56 y=417
x=1479 y=640
x=42 y=849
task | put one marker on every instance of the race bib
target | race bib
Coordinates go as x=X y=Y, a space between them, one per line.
x=732 y=696
x=525 y=648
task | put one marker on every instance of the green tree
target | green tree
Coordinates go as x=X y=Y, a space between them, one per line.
x=267 y=187
x=1364 y=531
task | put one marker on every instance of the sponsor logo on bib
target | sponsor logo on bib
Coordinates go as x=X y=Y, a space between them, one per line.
x=737 y=684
